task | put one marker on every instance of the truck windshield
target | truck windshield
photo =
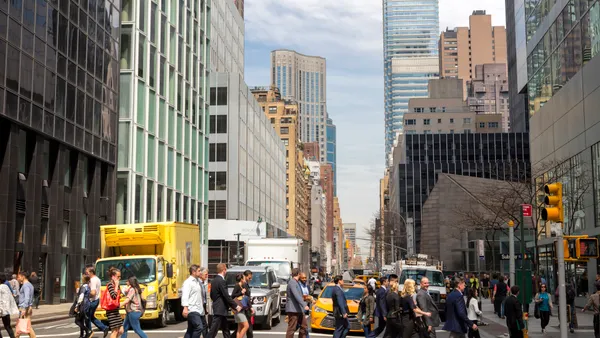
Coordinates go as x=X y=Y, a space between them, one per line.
x=283 y=269
x=436 y=278
x=259 y=279
x=144 y=269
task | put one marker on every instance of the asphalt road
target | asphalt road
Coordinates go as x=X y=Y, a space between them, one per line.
x=67 y=328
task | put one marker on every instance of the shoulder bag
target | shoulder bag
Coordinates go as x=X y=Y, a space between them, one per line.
x=107 y=302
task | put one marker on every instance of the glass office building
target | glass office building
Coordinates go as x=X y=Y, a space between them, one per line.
x=58 y=142
x=410 y=36
x=163 y=115
x=331 y=151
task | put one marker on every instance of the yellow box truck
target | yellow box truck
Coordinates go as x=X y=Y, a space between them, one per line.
x=158 y=255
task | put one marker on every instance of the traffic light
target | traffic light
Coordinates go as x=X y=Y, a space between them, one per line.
x=553 y=200
x=587 y=248
x=565 y=244
x=347 y=244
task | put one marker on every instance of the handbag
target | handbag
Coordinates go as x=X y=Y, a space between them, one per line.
x=536 y=311
x=421 y=327
x=107 y=302
x=23 y=326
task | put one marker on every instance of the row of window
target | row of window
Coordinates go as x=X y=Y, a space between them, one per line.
x=431 y=109
x=440 y=131
x=413 y=122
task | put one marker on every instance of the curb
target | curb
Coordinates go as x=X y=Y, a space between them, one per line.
x=43 y=320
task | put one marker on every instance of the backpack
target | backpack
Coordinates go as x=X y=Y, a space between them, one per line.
x=142 y=304
x=570 y=294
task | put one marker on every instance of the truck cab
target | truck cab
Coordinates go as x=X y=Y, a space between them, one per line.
x=437 y=287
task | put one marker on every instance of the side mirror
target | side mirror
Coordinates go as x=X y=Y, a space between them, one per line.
x=169 y=270
x=275 y=285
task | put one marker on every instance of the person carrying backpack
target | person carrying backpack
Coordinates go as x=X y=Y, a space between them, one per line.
x=135 y=307
x=80 y=308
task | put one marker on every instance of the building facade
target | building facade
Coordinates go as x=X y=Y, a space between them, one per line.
x=303 y=78
x=562 y=47
x=488 y=92
x=463 y=48
x=420 y=158
x=283 y=116
x=227 y=33
x=163 y=139
x=410 y=39
x=58 y=138
x=240 y=7
x=332 y=150
x=327 y=182
x=247 y=159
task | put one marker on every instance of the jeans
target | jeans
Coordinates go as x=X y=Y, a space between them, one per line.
x=92 y=316
x=342 y=327
x=596 y=326
x=6 y=323
x=380 y=326
x=196 y=325
x=368 y=332
x=132 y=320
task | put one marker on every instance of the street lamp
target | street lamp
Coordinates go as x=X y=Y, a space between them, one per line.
x=412 y=242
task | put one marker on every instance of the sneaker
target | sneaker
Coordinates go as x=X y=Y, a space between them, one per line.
x=106 y=332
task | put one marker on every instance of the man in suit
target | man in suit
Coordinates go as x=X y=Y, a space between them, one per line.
x=513 y=311
x=457 y=321
x=426 y=303
x=381 y=306
x=295 y=307
x=340 y=309
x=221 y=302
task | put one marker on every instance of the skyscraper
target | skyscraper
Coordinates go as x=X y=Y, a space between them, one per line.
x=303 y=79
x=331 y=151
x=410 y=47
x=58 y=141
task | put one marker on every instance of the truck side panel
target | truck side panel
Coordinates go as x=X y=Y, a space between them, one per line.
x=182 y=249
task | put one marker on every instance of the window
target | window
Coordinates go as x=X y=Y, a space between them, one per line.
x=217 y=209
x=284 y=130
x=451 y=131
x=272 y=120
x=432 y=109
x=410 y=122
x=439 y=120
x=218 y=96
x=418 y=109
x=467 y=131
x=493 y=125
x=426 y=132
x=84 y=230
x=426 y=122
x=443 y=109
x=272 y=110
x=467 y=120
x=217 y=180
x=286 y=141
x=481 y=124
x=451 y=120
x=218 y=152
x=218 y=124
x=65 y=234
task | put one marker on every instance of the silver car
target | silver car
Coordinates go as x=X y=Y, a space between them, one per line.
x=264 y=293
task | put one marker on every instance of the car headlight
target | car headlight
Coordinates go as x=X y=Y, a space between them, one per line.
x=319 y=309
x=259 y=300
x=151 y=301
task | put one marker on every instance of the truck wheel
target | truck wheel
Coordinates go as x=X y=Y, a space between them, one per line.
x=163 y=317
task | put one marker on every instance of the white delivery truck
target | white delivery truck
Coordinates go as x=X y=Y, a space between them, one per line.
x=282 y=254
x=421 y=266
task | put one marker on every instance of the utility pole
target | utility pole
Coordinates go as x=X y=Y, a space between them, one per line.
x=511 y=250
x=237 y=252
x=562 y=296
x=393 y=258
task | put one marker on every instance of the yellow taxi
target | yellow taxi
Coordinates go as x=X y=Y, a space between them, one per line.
x=322 y=311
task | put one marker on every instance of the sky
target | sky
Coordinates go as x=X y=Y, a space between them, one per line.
x=349 y=35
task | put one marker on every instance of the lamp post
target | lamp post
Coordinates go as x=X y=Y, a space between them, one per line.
x=511 y=251
x=410 y=222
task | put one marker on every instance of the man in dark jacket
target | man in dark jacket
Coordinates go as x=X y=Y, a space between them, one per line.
x=513 y=310
x=340 y=309
x=381 y=306
x=295 y=307
x=457 y=321
x=221 y=302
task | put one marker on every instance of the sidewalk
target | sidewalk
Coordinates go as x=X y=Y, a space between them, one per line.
x=497 y=327
x=47 y=313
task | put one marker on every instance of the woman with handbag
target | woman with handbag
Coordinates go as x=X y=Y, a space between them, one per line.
x=473 y=312
x=413 y=326
x=111 y=302
x=393 y=320
x=81 y=308
x=543 y=303
x=8 y=306
x=133 y=307
x=239 y=296
x=366 y=311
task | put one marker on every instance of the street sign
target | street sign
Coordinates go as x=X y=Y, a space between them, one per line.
x=506 y=257
x=527 y=210
x=480 y=248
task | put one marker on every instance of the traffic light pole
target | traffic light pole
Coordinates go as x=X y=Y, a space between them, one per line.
x=511 y=250
x=523 y=280
x=562 y=296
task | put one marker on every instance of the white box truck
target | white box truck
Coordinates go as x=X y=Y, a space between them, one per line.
x=282 y=254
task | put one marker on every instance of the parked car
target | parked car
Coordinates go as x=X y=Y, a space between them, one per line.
x=264 y=290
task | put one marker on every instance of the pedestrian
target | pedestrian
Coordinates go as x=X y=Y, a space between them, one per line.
x=457 y=320
x=593 y=303
x=544 y=304
x=570 y=292
x=115 y=323
x=221 y=302
x=303 y=281
x=203 y=285
x=473 y=312
x=485 y=286
x=366 y=311
x=81 y=307
x=295 y=307
x=95 y=286
x=8 y=306
x=133 y=308
x=474 y=282
x=250 y=310
x=35 y=281
x=193 y=303
x=513 y=310
x=25 y=300
x=410 y=310
x=501 y=290
x=15 y=286
x=239 y=296
x=394 y=309
x=372 y=282
x=340 y=309
x=381 y=306
x=426 y=303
